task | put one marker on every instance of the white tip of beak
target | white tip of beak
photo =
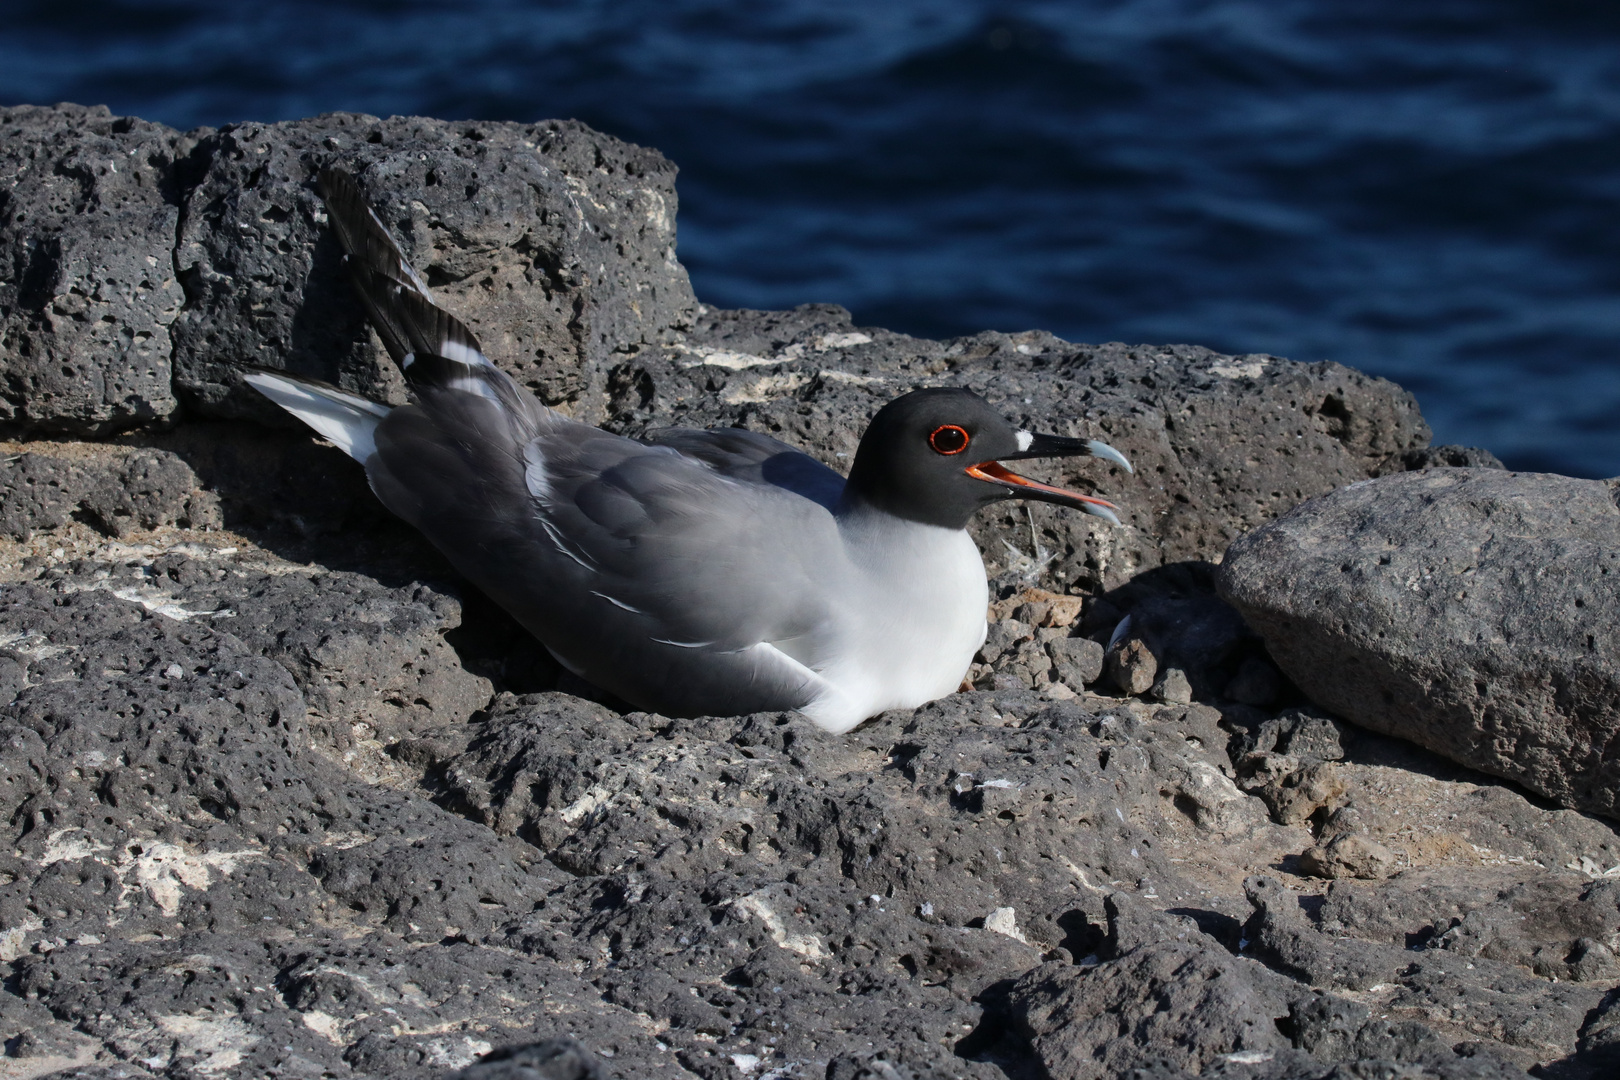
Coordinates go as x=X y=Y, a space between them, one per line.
x=1102 y=512
x=1108 y=453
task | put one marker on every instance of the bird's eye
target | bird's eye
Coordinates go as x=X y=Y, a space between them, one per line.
x=948 y=439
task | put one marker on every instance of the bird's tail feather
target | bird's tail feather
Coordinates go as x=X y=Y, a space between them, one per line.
x=437 y=353
x=348 y=420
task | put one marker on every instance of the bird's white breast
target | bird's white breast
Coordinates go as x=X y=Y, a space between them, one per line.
x=908 y=624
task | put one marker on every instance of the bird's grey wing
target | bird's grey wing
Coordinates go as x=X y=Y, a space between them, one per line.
x=717 y=561
x=752 y=457
x=647 y=571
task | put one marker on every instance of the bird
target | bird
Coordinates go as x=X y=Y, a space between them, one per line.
x=688 y=573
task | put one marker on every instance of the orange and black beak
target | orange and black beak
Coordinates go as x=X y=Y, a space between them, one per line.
x=1043 y=446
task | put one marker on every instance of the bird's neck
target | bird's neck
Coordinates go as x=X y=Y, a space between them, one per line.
x=867 y=503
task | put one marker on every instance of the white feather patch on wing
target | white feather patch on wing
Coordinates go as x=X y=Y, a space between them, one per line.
x=477 y=387
x=463 y=354
x=616 y=602
x=534 y=472
x=348 y=420
x=828 y=709
x=564 y=546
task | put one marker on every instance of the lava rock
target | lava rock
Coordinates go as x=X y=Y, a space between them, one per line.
x=1475 y=612
x=88 y=289
x=1343 y=849
x=1449 y=456
x=1172 y=996
x=119 y=491
x=553 y=242
x=1133 y=666
x=372 y=663
x=153 y=774
x=1172 y=686
x=226 y=1005
x=1538 y=923
x=1076 y=661
x=37 y=492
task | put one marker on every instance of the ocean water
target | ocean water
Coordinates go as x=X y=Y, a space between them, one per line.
x=1427 y=191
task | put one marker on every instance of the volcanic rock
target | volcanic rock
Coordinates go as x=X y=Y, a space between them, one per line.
x=284 y=797
x=142 y=261
x=88 y=289
x=553 y=243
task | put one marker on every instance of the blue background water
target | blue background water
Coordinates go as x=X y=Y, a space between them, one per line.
x=1428 y=191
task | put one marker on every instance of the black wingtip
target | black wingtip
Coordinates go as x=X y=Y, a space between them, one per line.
x=398 y=301
x=335 y=183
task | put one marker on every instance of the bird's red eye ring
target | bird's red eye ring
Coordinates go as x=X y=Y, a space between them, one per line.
x=948 y=439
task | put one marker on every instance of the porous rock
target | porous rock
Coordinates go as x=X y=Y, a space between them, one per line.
x=1171 y=997
x=554 y=243
x=144 y=264
x=372 y=663
x=118 y=490
x=1475 y=612
x=288 y=817
x=553 y=1059
x=225 y=1005
x=89 y=206
x=859 y=904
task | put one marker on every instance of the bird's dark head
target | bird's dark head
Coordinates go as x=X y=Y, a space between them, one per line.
x=934 y=456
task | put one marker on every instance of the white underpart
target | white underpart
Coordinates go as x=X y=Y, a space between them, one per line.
x=349 y=420
x=916 y=615
x=1025 y=440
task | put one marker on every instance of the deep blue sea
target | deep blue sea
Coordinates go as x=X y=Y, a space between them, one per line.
x=1424 y=190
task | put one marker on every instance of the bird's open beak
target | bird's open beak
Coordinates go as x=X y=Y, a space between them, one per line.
x=1042 y=446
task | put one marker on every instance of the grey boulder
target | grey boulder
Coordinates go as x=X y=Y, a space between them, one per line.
x=121 y=492
x=1473 y=611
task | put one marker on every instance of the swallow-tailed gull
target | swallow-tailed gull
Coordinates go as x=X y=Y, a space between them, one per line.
x=691 y=572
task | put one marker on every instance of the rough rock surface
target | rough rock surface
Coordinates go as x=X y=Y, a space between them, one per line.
x=997 y=883
x=144 y=267
x=556 y=244
x=118 y=491
x=283 y=798
x=89 y=206
x=1475 y=612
